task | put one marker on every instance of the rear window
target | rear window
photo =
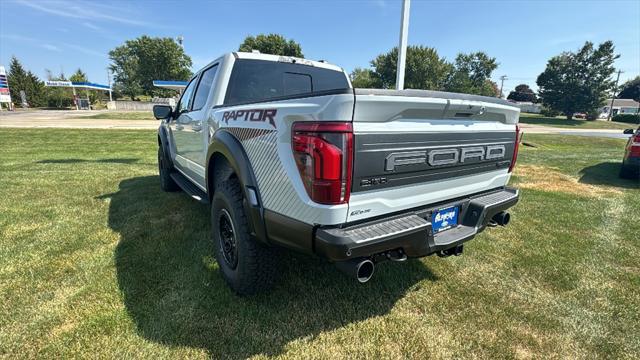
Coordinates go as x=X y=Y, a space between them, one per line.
x=259 y=80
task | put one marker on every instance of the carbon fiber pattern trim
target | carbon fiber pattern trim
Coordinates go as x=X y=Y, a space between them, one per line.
x=276 y=190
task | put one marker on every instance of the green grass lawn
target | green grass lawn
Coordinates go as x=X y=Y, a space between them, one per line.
x=562 y=122
x=97 y=262
x=122 y=115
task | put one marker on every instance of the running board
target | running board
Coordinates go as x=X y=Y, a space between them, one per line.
x=189 y=188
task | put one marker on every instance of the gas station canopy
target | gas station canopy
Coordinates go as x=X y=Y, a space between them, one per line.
x=169 y=84
x=77 y=85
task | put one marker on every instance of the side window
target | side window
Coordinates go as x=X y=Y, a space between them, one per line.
x=204 y=87
x=183 y=105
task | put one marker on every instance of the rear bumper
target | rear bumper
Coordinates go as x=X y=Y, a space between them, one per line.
x=412 y=231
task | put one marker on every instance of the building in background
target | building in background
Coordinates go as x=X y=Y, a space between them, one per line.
x=620 y=106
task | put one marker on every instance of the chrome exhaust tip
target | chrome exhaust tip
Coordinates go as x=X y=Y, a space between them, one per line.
x=361 y=269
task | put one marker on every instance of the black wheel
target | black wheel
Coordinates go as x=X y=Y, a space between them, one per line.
x=246 y=265
x=164 y=168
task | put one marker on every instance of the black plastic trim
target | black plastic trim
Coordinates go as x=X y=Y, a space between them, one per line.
x=164 y=142
x=290 y=233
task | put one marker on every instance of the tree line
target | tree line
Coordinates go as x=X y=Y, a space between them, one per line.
x=571 y=82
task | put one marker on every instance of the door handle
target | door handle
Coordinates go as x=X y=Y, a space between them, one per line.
x=196 y=127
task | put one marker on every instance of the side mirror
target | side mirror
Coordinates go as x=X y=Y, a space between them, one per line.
x=162 y=112
x=628 y=131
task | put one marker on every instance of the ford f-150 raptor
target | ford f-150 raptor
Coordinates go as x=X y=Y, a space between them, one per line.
x=290 y=155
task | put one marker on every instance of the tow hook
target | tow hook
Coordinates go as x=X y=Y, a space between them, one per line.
x=396 y=256
x=455 y=251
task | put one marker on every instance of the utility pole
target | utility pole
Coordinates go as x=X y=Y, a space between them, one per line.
x=109 y=79
x=502 y=79
x=180 y=41
x=402 y=46
x=613 y=96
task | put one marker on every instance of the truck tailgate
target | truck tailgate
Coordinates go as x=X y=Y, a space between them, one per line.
x=414 y=148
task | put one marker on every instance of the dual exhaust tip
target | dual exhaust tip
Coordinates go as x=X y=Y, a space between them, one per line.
x=363 y=269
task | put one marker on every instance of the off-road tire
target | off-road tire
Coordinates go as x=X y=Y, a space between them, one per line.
x=256 y=265
x=164 y=168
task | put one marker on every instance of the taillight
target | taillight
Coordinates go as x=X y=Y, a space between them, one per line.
x=515 y=149
x=323 y=152
x=634 y=151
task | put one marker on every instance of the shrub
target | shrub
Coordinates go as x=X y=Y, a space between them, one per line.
x=549 y=112
x=627 y=118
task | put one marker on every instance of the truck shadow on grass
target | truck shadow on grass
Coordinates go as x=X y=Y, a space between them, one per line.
x=607 y=173
x=173 y=292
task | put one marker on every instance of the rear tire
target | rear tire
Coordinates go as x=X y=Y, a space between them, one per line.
x=247 y=266
x=627 y=172
x=164 y=168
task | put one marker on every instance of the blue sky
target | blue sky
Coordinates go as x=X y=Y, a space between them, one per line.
x=522 y=35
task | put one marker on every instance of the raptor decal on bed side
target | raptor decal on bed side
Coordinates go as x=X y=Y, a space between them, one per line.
x=262 y=115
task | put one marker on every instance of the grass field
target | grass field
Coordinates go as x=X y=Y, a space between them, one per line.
x=562 y=122
x=122 y=115
x=97 y=262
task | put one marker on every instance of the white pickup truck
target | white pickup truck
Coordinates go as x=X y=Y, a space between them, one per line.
x=288 y=154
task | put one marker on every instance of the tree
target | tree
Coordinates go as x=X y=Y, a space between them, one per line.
x=631 y=90
x=523 y=93
x=274 y=44
x=424 y=69
x=138 y=62
x=364 y=78
x=21 y=80
x=59 y=97
x=471 y=74
x=578 y=82
x=79 y=76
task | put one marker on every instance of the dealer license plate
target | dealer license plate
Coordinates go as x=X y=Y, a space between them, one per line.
x=444 y=219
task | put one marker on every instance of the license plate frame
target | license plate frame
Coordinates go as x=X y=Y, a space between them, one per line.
x=445 y=218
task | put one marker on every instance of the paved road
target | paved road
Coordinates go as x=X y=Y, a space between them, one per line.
x=68 y=119
x=77 y=119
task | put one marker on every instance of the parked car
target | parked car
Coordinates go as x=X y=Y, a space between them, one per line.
x=288 y=154
x=631 y=162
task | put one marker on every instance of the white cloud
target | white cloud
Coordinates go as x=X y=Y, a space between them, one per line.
x=84 y=10
x=85 y=50
x=92 y=26
x=51 y=47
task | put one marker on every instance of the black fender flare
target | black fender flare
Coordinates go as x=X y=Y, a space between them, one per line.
x=229 y=147
x=164 y=142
